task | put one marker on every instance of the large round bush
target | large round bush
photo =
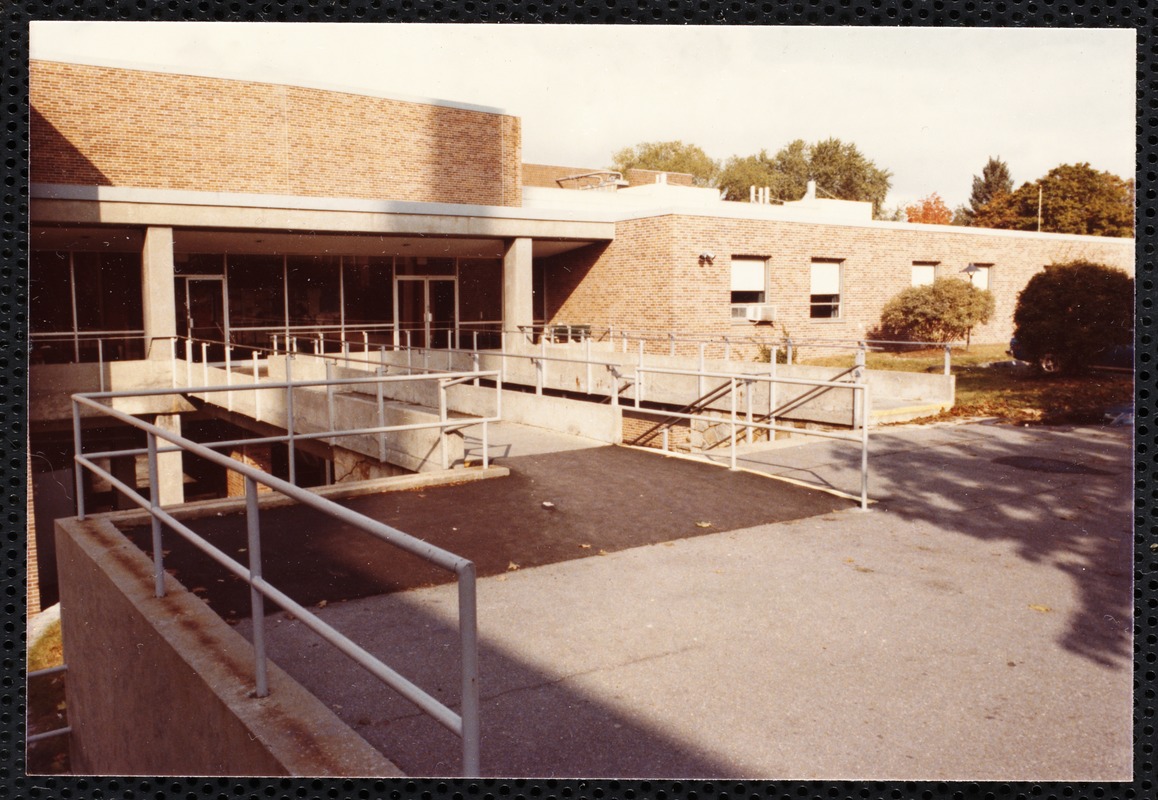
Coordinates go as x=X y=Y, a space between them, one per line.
x=1070 y=314
x=943 y=311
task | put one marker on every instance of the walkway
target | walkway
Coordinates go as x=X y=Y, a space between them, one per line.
x=974 y=625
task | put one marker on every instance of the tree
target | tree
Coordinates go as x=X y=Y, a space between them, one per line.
x=993 y=182
x=1069 y=313
x=930 y=210
x=943 y=311
x=672 y=156
x=1075 y=198
x=840 y=170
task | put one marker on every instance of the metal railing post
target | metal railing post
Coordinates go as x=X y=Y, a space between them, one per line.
x=366 y=345
x=727 y=349
x=788 y=347
x=205 y=363
x=700 y=377
x=256 y=599
x=864 y=436
x=289 y=418
x=468 y=628
x=474 y=364
x=229 y=376
x=442 y=417
x=330 y=400
x=77 y=450
x=274 y=344
x=172 y=361
x=948 y=359
x=586 y=346
x=101 y=362
x=381 y=416
x=748 y=402
x=671 y=344
x=188 y=361
x=154 y=504
x=256 y=392
x=772 y=393
x=733 y=393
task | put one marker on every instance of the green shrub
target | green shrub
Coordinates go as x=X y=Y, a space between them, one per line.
x=1071 y=312
x=943 y=311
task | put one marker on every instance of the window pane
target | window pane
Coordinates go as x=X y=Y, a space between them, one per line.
x=924 y=274
x=313 y=290
x=368 y=290
x=480 y=290
x=256 y=292
x=981 y=277
x=50 y=295
x=747 y=275
x=825 y=277
x=747 y=297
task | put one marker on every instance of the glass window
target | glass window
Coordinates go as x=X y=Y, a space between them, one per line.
x=748 y=285
x=50 y=293
x=423 y=265
x=480 y=290
x=924 y=272
x=824 y=291
x=979 y=275
x=256 y=291
x=367 y=290
x=314 y=294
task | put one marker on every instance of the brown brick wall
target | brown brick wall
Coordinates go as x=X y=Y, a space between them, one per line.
x=642 y=177
x=650 y=277
x=551 y=177
x=116 y=127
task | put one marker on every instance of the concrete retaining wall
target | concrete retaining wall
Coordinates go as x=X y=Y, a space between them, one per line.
x=160 y=686
x=53 y=384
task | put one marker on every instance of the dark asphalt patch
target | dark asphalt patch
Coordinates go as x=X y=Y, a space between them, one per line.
x=600 y=500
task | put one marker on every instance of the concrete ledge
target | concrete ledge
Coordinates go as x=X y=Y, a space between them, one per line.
x=234 y=505
x=161 y=686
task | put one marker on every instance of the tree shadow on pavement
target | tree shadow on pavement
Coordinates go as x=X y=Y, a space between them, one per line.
x=1062 y=496
x=536 y=722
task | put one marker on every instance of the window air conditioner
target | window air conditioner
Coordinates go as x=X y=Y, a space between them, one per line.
x=760 y=312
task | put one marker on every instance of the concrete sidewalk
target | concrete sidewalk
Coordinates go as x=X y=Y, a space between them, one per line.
x=974 y=625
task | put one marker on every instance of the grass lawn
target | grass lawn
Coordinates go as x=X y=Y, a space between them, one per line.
x=989 y=385
x=46 y=706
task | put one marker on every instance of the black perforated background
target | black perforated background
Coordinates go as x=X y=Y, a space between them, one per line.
x=13 y=297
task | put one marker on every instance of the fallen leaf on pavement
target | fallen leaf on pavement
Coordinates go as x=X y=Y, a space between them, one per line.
x=1041 y=608
x=512 y=566
x=703 y=524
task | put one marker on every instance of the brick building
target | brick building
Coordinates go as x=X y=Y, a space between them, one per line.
x=242 y=213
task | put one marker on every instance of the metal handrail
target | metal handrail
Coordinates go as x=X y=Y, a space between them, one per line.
x=748 y=423
x=464 y=724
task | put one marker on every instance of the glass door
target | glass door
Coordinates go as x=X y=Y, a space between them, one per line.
x=425 y=311
x=205 y=318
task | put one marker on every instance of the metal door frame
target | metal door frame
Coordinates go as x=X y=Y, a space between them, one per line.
x=427 y=314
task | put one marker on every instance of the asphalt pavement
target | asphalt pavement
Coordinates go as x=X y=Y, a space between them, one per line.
x=974 y=624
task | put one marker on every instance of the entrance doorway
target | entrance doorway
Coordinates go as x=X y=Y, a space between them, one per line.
x=427 y=307
x=206 y=314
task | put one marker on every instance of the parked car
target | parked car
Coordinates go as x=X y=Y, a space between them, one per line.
x=1117 y=356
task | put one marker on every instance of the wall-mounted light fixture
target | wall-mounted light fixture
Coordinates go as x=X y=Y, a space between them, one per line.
x=706 y=258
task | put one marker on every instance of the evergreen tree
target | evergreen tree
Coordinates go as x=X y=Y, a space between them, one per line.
x=993 y=182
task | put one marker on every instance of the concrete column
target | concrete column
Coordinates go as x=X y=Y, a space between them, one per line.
x=160 y=304
x=257 y=455
x=170 y=470
x=518 y=303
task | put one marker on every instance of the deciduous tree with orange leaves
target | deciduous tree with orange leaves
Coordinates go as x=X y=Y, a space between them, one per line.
x=929 y=210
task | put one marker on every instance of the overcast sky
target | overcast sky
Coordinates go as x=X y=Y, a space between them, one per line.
x=929 y=105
